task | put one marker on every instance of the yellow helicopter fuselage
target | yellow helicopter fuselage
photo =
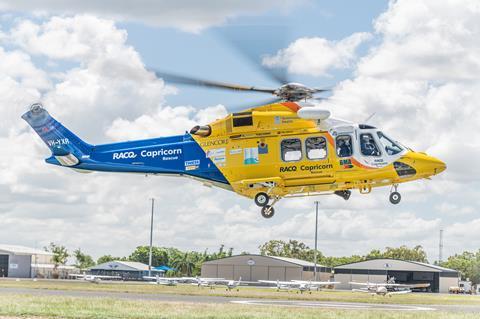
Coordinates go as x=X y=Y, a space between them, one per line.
x=247 y=148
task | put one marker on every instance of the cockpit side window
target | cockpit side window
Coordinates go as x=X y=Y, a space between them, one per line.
x=391 y=147
x=344 y=146
x=316 y=148
x=368 y=146
x=291 y=150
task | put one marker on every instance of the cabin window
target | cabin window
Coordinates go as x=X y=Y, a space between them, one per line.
x=316 y=147
x=391 y=147
x=344 y=146
x=291 y=150
x=368 y=147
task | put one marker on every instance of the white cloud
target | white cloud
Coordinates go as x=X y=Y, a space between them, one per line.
x=188 y=15
x=316 y=56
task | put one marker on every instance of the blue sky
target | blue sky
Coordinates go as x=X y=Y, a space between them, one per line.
x=207 y=55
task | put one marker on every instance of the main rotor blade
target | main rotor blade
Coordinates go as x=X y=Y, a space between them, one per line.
x=254 y=42
x=180 y=79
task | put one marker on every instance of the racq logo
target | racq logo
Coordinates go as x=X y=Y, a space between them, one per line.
x=124 y=155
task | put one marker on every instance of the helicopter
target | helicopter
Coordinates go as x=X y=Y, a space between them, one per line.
x=287 y=146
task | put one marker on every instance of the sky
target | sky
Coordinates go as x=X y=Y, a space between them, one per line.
x=415 y=64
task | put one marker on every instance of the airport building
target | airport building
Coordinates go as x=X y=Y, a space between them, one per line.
x=258 y=267
x=127 y=270
x=405 y=272
x=25 y=262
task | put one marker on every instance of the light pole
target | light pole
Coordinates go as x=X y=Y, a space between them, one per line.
x=316 y=235
x=151 y=239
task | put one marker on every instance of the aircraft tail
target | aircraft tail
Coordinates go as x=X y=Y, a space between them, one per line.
x=66 y=147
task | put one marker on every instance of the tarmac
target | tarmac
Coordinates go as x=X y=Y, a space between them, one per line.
x=245 y=301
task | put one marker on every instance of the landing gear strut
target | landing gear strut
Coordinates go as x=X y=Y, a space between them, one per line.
x=395 y=196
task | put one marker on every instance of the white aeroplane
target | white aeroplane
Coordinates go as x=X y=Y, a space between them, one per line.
x=203 y=282
x=388 y=288
x=167 y=281
x=232 y=284
x=93 y=278
x=300 y=285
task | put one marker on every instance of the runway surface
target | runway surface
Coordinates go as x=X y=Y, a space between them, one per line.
x=245 y=301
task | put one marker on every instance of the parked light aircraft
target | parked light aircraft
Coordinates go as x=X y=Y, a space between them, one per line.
x=168 y=281
x=93 y=278
x=384 y=289
x=300 y=285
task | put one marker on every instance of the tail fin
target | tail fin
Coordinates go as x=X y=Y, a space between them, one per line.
x=65 y=146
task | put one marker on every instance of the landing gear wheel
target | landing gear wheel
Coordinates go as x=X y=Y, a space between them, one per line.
x=395 y=198
x=267 y=211
x=262 y=199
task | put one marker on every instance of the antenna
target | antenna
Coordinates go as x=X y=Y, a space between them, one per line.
x=440 y=247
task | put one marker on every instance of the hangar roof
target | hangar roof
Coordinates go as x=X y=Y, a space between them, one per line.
x=394 y=264
x=121 y=265
x=22 y=250
x=242 y=258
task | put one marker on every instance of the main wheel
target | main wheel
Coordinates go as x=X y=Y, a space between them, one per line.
x=261 y=199
x=395 y=198
x=267 y=211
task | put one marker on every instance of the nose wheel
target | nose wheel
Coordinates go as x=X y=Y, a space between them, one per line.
x=395 y=196
x=262 y=199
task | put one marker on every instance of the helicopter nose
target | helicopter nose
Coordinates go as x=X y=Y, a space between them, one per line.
x=426 y=165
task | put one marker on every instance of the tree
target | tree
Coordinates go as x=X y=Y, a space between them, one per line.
x=82 y=260
x=291 y=249
x=141 y=254
x=107 y=258
x=404 y=253
x=184 y=264
x=60 y=256
x=467 y=263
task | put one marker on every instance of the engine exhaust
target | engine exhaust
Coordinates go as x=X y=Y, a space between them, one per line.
x=201 y=130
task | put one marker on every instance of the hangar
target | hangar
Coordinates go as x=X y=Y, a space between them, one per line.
x=128 y=270
x=405 y=272
x=257 y=267
x=25 y=262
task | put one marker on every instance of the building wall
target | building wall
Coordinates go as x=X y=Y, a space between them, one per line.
x=254 y=268
x=19 y=266
x=446 y=282
x=321 y=276
x=346 y=278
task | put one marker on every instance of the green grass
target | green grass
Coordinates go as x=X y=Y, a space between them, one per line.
x=246 y=292
x=24 y=305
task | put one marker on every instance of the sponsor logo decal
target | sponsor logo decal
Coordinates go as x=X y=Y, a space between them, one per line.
x=250 y=155
x=236 y=151
x=124 y=155
x=214 y=143
x=346 y=163
x=192 y=162
x=262 y=148
x=284 y=169
x=311 y=168
x=165 y=154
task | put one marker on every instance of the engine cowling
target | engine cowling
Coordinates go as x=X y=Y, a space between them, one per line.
x=313 y=113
